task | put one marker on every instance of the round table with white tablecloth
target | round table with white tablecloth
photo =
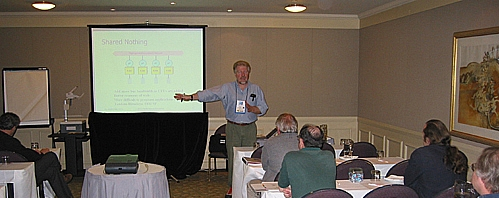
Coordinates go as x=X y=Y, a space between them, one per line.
x=150 y=181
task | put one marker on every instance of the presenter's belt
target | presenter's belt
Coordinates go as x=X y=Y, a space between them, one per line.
x=240 y=124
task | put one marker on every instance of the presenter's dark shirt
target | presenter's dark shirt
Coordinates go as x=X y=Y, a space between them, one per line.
x=9 y=143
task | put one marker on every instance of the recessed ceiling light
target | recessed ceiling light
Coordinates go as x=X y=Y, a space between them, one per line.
x=295 y=8
x=43 y=5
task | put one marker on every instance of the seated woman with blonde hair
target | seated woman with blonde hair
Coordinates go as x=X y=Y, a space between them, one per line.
x=437 y=165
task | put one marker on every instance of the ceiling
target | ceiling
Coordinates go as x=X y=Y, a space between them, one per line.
x=338 y=7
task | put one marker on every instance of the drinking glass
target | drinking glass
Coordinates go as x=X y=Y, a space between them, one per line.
x=355 y=175
x=35 y=145
x=5 y=159
x=381 y=154
x=376 y=174
x=463 y=189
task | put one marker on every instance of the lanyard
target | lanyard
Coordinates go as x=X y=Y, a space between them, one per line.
x=237 y=90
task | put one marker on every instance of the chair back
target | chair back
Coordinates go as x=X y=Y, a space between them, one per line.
x=271 y=133
x=327 y=193
x=328 y=147
x=447 y=193
x=220 y=129
x=13 y=157
x=343 y=168
x=363 y=150
x=392 y=191
x=257 y=153
x=217 y=144
x=398 y=168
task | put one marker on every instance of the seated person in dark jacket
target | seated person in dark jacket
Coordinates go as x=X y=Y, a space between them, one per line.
x=47 y=165
x=485 y=177
x=437 y=165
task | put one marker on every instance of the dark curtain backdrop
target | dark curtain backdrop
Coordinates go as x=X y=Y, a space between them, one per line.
x=175 y=140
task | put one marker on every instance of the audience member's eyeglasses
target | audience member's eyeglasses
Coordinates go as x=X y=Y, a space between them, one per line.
x=473 y=166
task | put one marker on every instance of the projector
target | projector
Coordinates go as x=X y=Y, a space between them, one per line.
x=73 y=126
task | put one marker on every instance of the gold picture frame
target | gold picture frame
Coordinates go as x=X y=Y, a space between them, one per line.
x=475 y=86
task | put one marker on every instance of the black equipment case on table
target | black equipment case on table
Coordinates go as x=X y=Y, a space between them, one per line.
x=120 y=164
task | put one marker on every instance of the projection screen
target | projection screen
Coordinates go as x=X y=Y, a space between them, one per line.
x=139 y=68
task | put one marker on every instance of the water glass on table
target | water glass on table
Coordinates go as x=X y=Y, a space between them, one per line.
x=355 y=175
x=376 y=175
x=35 y=145
x=464 y=189
x=381 y=154
x=5 y=159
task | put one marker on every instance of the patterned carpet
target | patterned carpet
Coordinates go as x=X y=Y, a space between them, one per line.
x=194 y=186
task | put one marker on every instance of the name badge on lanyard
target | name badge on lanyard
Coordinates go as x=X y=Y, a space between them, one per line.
x=241 y=107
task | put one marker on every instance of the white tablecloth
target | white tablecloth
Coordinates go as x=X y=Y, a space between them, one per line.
x=238 y=171
x=357 y=190
x=239 y=187
x=22 y=175
x=3 y=191
x=149 y=182
x=383 y=164
x=253 y=171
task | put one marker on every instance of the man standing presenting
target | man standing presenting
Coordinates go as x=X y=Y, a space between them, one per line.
x=243 y=103
x=47 y=165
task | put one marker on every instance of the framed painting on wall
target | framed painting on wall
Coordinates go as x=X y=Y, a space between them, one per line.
x=475 y=86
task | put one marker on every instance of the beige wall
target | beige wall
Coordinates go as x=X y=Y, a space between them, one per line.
x=309 y=72
x=405 y=67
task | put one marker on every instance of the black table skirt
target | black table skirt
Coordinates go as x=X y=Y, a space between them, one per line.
x=175 y=140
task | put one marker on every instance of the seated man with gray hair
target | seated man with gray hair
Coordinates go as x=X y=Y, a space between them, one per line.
x=485 y=177
x=309 y=169
x=275 y=148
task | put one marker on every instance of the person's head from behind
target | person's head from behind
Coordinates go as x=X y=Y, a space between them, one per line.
x=311 y=136
x=435 y=132
x=485 y=177
x=242 y=69
x=9 y=123
x=286 y=123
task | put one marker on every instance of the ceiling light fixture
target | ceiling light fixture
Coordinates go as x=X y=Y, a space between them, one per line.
x=295 y=7
x=43 y=5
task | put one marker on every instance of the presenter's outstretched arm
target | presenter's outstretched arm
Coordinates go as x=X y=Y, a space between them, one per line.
x=183 y=97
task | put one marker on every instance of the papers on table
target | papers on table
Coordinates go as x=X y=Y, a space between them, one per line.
x=252 y=161
x=348 y=158
x=395 y=179
x=265 y=186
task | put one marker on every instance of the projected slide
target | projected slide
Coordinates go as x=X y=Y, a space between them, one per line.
x=140 y=69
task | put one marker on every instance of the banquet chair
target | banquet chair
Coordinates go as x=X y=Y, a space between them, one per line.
x=343 y=168
x=363 y=150
x=217 y=149
x=329 y=192
x=447 y=193
x=327 y=147
x=398 y=168
x=257 y=153
x=16 y=157
x=392 y=191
